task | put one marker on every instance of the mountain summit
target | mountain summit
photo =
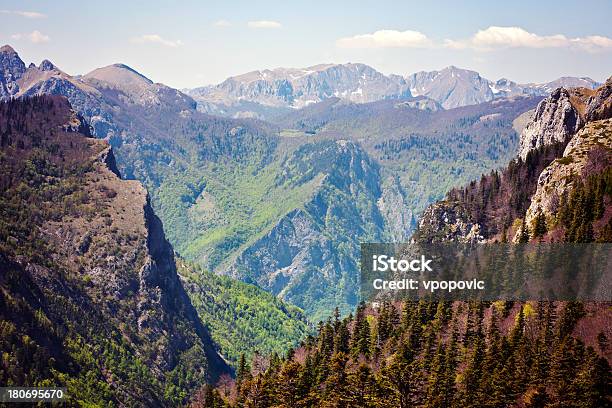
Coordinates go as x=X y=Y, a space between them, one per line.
x=451 y=87
x=299 y=87
x=265 y=93
x=12 y=69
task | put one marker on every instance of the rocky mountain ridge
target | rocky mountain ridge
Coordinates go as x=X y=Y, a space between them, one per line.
x=283 y=88
x=89 y=248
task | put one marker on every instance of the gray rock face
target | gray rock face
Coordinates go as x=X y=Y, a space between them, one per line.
x=599 y=105
x=447 y=222
x=12 y=69
x=300 y=87
x=555 y=120
x=451 y=87
x=393 y=205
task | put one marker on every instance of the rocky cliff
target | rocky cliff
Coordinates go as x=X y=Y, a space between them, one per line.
x=589 y=152
x=567 y=142
x=563 y=113
x=89 y=282
x=556 y=119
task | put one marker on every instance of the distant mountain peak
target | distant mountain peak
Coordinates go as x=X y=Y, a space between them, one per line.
x=7 y=49
x=12 y=69
x=285 y=88
x=452 y=86
x=119 y=74
x=46 y=65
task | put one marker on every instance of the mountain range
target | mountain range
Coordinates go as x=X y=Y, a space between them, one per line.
x=267 y=93
x=230 y=191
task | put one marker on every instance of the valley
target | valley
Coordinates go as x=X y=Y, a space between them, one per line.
x=230 y=190
x=155 y=241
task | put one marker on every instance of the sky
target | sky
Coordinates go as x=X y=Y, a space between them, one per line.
x=189 y=43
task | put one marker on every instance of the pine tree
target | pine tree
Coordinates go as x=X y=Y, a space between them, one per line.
x=473 y=375
x=363 y=388
x=539 y=224
x=593 y=382
x=342 y=339
x=244 y=372
x=336 y=387
x=563 y=371
x=361 y=333
x=524 y=235
x=288 y=387
x=517 y=331
x=437 y=373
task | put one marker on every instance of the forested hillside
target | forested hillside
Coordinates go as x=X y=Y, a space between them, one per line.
x=437 y=354
x=243 y=319
x=89 y=291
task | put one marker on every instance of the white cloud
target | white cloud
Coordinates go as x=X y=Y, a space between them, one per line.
x=496 y=37
x=222 y=23
x=156 y=39
x=26 y=14
x=386 y=39
x=35 y=37
x=592 y=42
x=264 y=24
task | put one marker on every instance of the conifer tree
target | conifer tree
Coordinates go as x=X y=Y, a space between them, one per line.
x=336 y=387
x=539 y=224
x=288 y=387
x=363 y=389
x=524 y=235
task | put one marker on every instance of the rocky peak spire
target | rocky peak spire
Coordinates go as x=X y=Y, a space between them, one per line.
x=46 y=65
x=11 y=69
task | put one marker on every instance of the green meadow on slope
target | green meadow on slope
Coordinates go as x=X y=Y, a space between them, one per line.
x=242 y=318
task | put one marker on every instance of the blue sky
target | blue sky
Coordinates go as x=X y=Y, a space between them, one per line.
x=192 y=43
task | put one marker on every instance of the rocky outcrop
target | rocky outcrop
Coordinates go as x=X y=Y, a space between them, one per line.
x=563 y=113
x=599 y=104
x=556 y=119
x=447 y=222
x=593 y=142
x=12 y=69
x=95 y=257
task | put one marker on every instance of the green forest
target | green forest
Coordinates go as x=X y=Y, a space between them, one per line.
x=433 y=354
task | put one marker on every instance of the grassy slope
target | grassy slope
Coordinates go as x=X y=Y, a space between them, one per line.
x=243 y=318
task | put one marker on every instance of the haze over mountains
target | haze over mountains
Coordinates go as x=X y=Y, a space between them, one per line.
x=256 y=93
